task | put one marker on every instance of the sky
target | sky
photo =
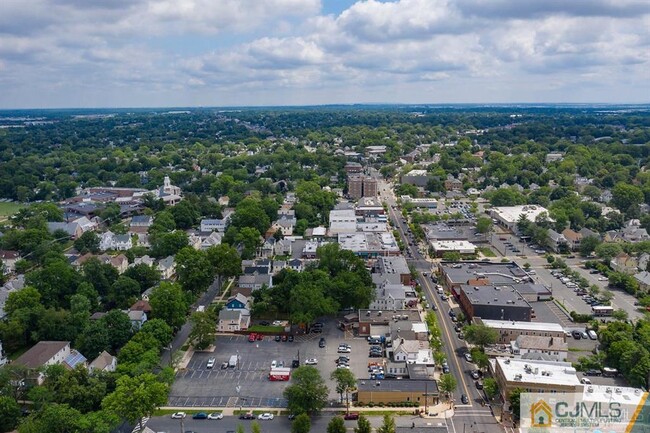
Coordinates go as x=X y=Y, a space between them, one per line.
x=180 y=53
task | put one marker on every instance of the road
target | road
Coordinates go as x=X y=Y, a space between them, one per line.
x=468 y=418
x=181 y=336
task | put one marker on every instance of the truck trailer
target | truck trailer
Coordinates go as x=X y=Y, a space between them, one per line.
x=280 y=374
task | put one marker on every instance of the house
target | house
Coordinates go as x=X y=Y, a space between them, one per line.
x=142 y=240
x=406 y=350
x=453 y=184
x=624 y=263
x=643 y=278
x=9 y=259
x=213 y=239
x=554 y=156
x=606 y=196
x=144 y=260
x=285 y=225
x=238 y=302
x=3 y=358
x=255 y=281
x=233 y=320
x=111 y=241
x=283 y=247
x=73 y=229
x=137 y=318
x=389 y=297
x=572 y=238
x=141 y=305
x=556 y=348
x=219 y=225
x=167 y=267
x=141 y=221
x=194 y=241
x=278 y=266
x=104 y=362
x=556 y=241
x=42 y=354
x=295 y=265
x=119 y=262
x=74 y=359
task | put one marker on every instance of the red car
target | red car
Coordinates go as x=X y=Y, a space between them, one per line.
x=351 y=415
x=260 y=337
x=252 y=337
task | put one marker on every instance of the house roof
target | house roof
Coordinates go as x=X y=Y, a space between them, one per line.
x=142 y=219
x=102 y=361
x=141 y=305
x=229 y=314
x=239 y=297
x=40 y=353
x=9 y=255
x=75 y=358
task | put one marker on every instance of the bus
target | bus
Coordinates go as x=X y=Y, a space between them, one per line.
x=602 y=310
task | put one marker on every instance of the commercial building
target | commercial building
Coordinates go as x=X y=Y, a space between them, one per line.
x=395 y=265
x=424 y=392
x=535 y=376
x=462 y=247
x=509 y=330
x=508 y=216
x=369 y=207
x=481 y=273
x=494 y=302
x=342 y=221
x=429 y=203
x=369 y=245
x=416 y=177
x=554 y=347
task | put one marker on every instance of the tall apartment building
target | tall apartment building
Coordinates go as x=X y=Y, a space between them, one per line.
x=361 y=186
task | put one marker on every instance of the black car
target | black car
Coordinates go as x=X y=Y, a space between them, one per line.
x=264 y=323
x=200 y=415
x=342 y=359
x=593 y=372
x=464 y=399
x=577 y=335
x=278 y=338
x=248 y=415
x=295 y=363
x=321 y=343
x=290 y=338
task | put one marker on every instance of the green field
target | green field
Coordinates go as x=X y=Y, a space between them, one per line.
x=7 y=209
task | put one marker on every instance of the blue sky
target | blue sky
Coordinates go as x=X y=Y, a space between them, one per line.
x=106 y=53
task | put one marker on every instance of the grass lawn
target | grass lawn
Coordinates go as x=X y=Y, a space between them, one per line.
x=8 y=209
x=486 y=251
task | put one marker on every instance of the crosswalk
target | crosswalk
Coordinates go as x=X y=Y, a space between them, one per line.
x=142 y=423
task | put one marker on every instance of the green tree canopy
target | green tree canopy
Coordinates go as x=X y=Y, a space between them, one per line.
x=169 y=304
x=136 y=397
x=307 y=392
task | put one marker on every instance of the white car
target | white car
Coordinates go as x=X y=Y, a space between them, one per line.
x=215 y=416
x=179 y=415
x=311 y=361
x=265 y=416
x=468 y=357
x=274 y=363
x=211 y=362
x=343 y=366
x=602 y=278
x=277 y=323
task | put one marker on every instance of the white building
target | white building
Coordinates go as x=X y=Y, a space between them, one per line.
x=509 y=330
x=342 y=221
x=535 y=376
x=555 y=347
x=462 y=247
x=111 y=241
x=508 y=216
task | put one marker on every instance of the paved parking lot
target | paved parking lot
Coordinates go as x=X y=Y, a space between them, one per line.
x=198 y=386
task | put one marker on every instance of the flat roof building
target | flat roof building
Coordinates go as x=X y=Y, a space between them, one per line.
x=397 y=391
x=448 y=246
x=456 y=274
x=369 y=245
x=493 y=302
x=535 y=376
x=507 y=216
x=509 y=330
x=416 y=177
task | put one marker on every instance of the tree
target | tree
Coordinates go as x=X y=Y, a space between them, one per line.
x=53 y=418
x=625 y=196
x=136 y=397
x=490 y=387
x=447 y=383
x=111 y=213
x=195 y=273
x=93 y=339
x=163 y=223
x=483 y=224
x=158 y=329
x=345 y=383
x=620 y=314
x=336 y=425
x=225 y=260
x=451 y=256
x=203 y=329
x=307 y=392
x=515 y=401
x=123 y=292
x=168 y=244
x=480 y=335
x=9 y=414
x=301 y=424
x=250 y=239
x=147 y=276
x=87 y=242
x=388 y=426
x=250 y=213
x=119 y=328
x=169 y=304
x=607 y=251
x=480 y=358
x=255 y=427
x=363 y=425
x=588 y=245
x=185 y=214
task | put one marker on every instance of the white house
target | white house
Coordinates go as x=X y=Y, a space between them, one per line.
x=104 y=362
x=233 y=320
x=111 y=241
x=555 y=347
x=41 y=355
x=167 y=267
x=213 y=239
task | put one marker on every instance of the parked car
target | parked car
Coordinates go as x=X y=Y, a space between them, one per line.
x=351 y=416
x=210 y=363
x=260 y=337
x=576 y=334
x=200 y=415
x=593 y=372
x=247 y=415
x=468 y=357
x=475 y=374
x=264 y=323
x=265 y=416
x=179 y=415
x=284 y=338
x=311 y=361
x=321 y=342
x=464 y=399
x=215 y=415
x=278 y=338
x=290 y=338
x=585 y=381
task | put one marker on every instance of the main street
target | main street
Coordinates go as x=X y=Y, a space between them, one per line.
x=473 y=417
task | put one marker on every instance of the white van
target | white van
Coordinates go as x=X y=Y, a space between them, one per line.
x=440 y=289
x=592 y=334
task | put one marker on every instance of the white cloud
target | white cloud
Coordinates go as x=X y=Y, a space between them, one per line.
x=461 y=50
